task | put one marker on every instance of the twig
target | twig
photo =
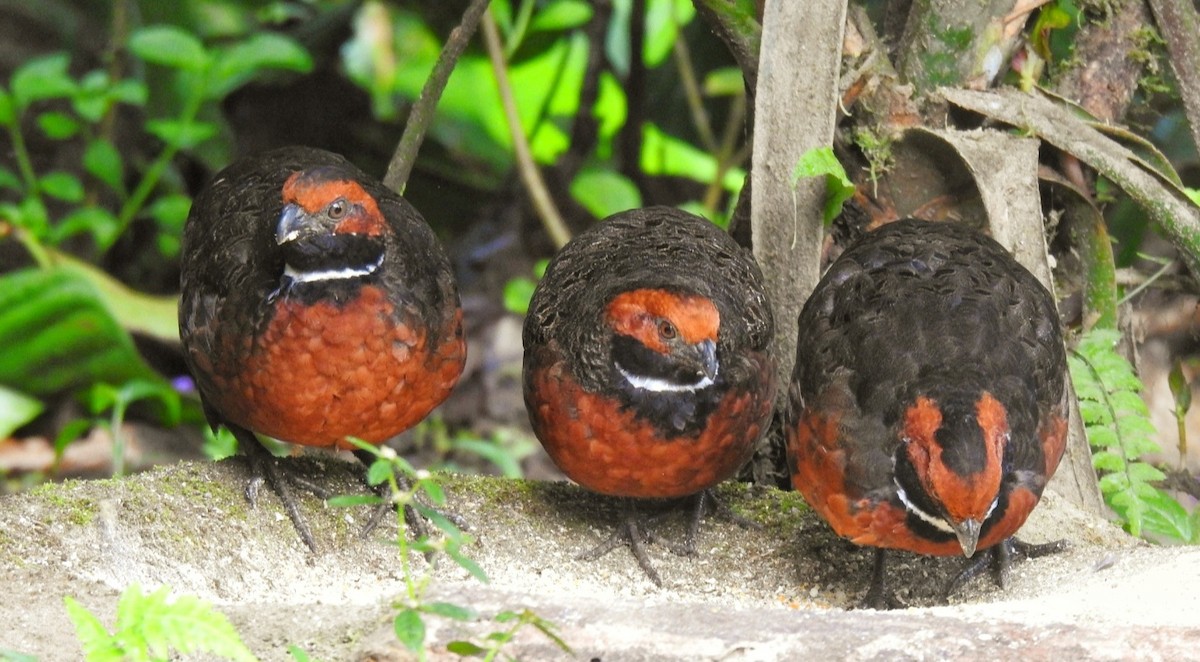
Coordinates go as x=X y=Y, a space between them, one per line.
x=543 y=204
x=421 y=115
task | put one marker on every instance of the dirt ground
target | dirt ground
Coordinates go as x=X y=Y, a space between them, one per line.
x=775 y=593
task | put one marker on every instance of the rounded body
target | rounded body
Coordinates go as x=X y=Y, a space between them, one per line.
x=929 y=394
x=647 y=427
x=312 y=361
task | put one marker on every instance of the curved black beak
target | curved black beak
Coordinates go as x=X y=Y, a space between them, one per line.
x=707 y=350
x=291 y=222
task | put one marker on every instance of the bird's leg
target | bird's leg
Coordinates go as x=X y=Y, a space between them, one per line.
x=704 y=503
x=1000 y=558
x=416 y=523
x=631 y=531
x=264 y=465
x=880 y=595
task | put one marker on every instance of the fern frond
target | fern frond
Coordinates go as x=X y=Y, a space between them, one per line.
x=1120 y=432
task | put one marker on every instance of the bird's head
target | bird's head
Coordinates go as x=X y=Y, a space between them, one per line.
x=950 y=463
x=330 y=228
x=664 y=341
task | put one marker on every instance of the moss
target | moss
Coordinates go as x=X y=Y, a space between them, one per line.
x=877 y=148
x=68 y=505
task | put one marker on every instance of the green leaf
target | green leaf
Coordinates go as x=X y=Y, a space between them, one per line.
x=504 y=461
x=10 y=180
x=379 y=472
x=818 y=162
x=518 y=292
x=154 y=316
x=605 y=192
x=466 y=649
x=16 y=409
x=57 y=125
x=410 y=629
x=61 y=185
x=726 y=81
x=264 y=50
x=98 y=645
x=1167 y=517
x=129 y=91
x=350 y=500
x=180 y=133
x=42 y=78
x=57 y=334
x=169 y=46
x=102 y=161
x=170 y=211
x=433 y=490
x=467 y=564
x=449 y=610
x=7 y=655
x=220 y=444
x=8 y=112
x=561 y=15
x=96 y=221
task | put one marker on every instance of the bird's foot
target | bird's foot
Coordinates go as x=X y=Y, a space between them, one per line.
x=265 y=467
x=999 y=558
x=881 y=595
x=631 y=531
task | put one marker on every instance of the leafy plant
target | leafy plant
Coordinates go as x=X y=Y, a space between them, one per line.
x=409 y=487
x=65 y=324
x=1119 y=430
x=151 y=626
x=821 y=162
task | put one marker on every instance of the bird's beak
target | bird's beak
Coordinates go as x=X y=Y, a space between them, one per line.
x=968 y=535
x=291 y=222
x=708 y=358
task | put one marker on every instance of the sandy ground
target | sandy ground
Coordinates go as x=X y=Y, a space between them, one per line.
x=782 y=592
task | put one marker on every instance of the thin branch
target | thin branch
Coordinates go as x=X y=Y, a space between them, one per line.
x=421 y=115
x=543 y=204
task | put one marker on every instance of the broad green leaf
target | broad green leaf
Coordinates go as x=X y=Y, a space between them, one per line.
x=263 y=50
x=31 y=214
x=16 y=409
x=184 y=135
x=96 y=221
x=58 y=335
x=410 y=629
x=561 y=15
x=91 y=101
x=467 y=564
x=434 y=490
x=169 y=46
x=605 y=192
x=102 y=161
x=664 y=154
x=820 y=162
x=664 y=18
x=61 y=185
x=57 y=125
x=41 y=78
x=154 y=316
x=102 y=397
x=170 y=211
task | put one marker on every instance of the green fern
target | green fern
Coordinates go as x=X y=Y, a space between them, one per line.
x=150 y=626
x=1120 y=433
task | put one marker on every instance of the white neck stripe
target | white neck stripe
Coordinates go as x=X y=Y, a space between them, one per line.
x=344 y=273
x=657 y=385
x=937 y=522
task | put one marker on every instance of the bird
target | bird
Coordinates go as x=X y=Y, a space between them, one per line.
x=928 y=405
x=316 y=305
x=647 y=371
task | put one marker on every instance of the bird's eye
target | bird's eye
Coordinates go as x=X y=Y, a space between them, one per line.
x=666 y=330
x=336 y=209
